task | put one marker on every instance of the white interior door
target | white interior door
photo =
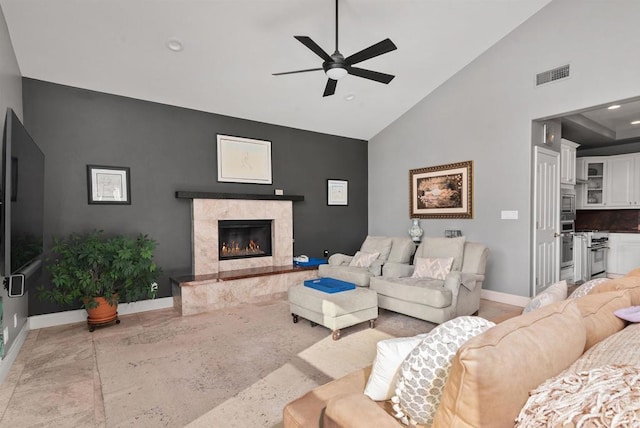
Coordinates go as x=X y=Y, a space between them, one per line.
x=546 y=237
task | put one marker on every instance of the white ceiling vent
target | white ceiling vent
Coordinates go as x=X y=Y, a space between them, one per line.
x=552 y=75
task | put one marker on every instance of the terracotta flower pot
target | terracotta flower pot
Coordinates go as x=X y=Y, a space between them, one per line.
x=104 y=313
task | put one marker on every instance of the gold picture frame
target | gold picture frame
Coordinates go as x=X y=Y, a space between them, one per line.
x=443 y=191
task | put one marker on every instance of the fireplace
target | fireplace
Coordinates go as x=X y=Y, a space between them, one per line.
x=239 y=239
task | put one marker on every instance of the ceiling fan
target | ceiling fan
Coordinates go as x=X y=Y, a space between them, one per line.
x=337 y=66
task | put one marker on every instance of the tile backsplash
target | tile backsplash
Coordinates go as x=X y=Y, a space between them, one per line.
x=611 y=220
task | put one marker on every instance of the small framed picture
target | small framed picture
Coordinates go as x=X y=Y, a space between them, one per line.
x=337 y=192
x=108 y=185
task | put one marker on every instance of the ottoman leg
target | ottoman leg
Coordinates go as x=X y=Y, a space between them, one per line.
x=335 y=335
x=295 y=318
x=372 y=323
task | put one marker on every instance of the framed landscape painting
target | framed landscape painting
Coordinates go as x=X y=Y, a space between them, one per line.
x=443 y=191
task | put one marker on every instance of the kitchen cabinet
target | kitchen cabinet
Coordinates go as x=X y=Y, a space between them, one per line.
x=624 y=253
x=611 y=182
x=623 y=173
x=568 y=162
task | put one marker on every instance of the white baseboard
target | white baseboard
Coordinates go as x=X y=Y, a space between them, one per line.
x=80 y=315
x=7 y=361
x=509 y=299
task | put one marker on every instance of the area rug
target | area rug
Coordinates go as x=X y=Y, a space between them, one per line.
x=234 y=367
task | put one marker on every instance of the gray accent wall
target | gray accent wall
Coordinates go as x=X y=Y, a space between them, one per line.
x=13 y=309
x=169 y=149
x=484 y=113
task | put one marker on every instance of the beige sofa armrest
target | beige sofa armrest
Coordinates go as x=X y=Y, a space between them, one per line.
x=355 y=411
x=397 y=270
x=339 y=259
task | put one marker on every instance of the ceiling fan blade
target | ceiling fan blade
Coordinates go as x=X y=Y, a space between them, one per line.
x=297 y=71
x=314 y=47
x=371 y=75
x=372 y=51
x=330 y=89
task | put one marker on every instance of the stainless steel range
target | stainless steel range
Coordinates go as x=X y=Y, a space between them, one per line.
x=592 y=248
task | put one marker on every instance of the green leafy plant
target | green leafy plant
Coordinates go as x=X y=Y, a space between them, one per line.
x=86 y=266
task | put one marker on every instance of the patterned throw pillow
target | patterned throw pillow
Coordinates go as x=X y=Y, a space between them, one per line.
x=432 y=268
x=585 y=288
x=425 y=370
x=553 y=293
x=364 y=260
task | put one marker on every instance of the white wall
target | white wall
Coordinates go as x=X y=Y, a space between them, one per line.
x=484 y=114
x=10 y=96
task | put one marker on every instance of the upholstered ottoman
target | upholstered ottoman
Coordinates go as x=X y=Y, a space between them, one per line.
x=334 y=310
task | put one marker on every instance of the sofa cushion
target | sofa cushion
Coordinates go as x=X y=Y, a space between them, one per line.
x=427 y=291
x=377 y=244
x=492 y=373
x=586 y=288
x=553 y=293
x=401 y=250
x=425 y=370
x=386 y=366
x=598 y=314
x=306 y=411
x=631 y=283
x=362 y=259
x=443 y=247
x=437 y=268
x=620 y=348
x=601 y=397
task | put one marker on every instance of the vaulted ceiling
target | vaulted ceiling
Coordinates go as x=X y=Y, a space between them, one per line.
x=232 y=47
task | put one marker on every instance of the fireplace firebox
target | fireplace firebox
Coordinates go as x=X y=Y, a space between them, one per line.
x=238 y=239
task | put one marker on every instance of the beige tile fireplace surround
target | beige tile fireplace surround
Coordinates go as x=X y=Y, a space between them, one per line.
x=219 y=283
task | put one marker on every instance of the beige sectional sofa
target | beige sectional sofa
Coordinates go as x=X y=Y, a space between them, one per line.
x=493 y=374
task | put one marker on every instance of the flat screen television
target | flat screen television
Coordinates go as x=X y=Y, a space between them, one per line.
x=22 y=199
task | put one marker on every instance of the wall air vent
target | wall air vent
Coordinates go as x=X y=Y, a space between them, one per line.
x=552 y=75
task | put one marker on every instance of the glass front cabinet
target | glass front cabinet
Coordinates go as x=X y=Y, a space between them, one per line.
x=594 y=172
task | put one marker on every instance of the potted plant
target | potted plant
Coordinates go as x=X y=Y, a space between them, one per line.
x=100 y=271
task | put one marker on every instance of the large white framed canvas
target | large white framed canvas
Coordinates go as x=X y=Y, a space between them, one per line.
x=244 y=160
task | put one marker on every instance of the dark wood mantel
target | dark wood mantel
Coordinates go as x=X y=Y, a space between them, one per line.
x=183 y=194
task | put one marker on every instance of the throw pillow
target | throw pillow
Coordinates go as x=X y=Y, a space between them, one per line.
x=605 y=396
x=585 y=288
x=386 y=366
x=377 y=244
x=432 y=268
x=553 y=293
x=631 y=314
x=362 y=259
x=443 y=247
x=425 y=370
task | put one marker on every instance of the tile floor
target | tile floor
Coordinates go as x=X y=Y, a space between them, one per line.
x=55 y=379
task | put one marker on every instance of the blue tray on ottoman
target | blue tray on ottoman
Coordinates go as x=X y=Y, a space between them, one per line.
x=329 y=285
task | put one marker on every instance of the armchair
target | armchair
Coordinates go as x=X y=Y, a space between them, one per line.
x=395 y=250
x=436 y=300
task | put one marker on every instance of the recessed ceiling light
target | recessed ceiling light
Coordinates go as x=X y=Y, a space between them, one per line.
x=636 y=122
x=175 y=45
x=613 y=107
x=350 y=97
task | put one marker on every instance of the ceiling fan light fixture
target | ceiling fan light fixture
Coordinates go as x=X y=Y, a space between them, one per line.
x=336 y=73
